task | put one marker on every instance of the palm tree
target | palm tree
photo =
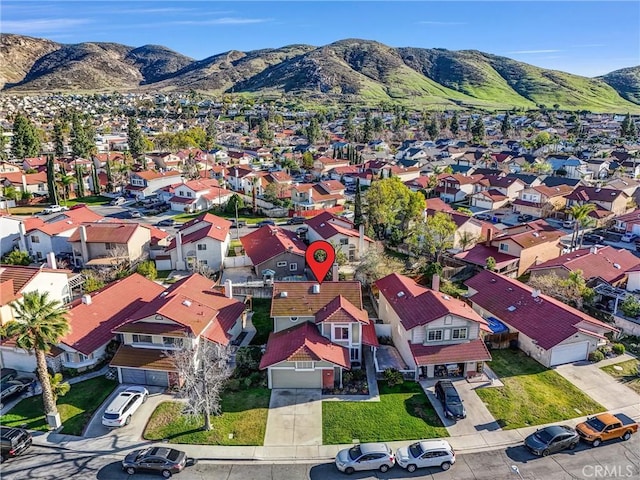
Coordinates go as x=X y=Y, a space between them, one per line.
x=65 y=181
x=580 y=213
x=466 y=238
x=39 y=323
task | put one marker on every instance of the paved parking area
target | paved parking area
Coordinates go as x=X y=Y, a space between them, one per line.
x=479 y=419
x=295 y=417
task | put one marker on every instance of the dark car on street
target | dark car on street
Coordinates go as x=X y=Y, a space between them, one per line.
x=552 y=439
x=451 y=402
x=8 y=388
x=13 y=441
x=265 y=222
x=295 y=221
x=162 y=460
x=592 y=238
x=167 y=222
x=525 y=217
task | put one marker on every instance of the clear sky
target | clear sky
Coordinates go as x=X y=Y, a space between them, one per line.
x=583 y=37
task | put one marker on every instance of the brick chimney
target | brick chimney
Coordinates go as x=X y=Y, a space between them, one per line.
x=435 y=283
x=489 y=237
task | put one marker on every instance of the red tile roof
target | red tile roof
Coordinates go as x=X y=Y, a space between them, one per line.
x=106 y=232
x=303 y=343
x=438 y=205
x=328 y=225
x=543 y=318
x=20 y=274
x=301 y=301
x=147 y=358
x=192 y=302
x=594 y=194
x=152 y=174
x=92 y=324
x=606 y=263
x=369 y=336
x=475 y=350
x=268 y=242
x=417 y=305
x=341 y=310
x=7 y=292
x=480 y=252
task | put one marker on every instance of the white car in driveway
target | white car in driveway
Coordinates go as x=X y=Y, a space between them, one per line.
x=54 y=209
x=122 y=408
x=427 y=453
x=629 y=237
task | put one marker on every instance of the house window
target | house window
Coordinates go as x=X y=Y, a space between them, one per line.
x=354 y=354
x=70 y=357
x=189 y=194
x=304 y=365
x=281 y=264
x=341 y=333
x=504 y=247
x=35 y=239
x=448 y=320
x=172 y=341
x=344 y=241
x=202 y=246
x=110 y=246
x=434 y=335
x=458 y=333
x=142 y=338
x=293 y=267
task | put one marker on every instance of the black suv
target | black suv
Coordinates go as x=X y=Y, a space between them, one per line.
x=451 y=403
x=296 y=221
x=14 y=441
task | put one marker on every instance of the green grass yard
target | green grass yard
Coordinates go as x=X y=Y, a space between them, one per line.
x=92 y=200
x=262 y=320
x=404 y=412
x=75 y=408
x=532 y=394
x=628 y=375
x=244 y=414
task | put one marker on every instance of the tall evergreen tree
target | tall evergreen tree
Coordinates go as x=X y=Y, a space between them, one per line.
x=3 y=144
x=358 y=218
x=628 y=129
x=58 y=139
x=312 y=131
x=210 y=134
x=25 y=141
x=265 y=134
x=477 y=130
x=79 y=181
x=469 y=126
x=433 y=129
x=455 y=125
x=110 y=183
x=95 y=180
x=135 y=139
x=82 y=142
x=51 y=181
x=367 y=128
x=505 y=127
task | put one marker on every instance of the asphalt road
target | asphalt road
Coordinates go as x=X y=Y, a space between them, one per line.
x=613 y=461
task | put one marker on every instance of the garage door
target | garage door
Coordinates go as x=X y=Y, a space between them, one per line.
x=144 y=377
x=18 y=359
x=573 y=352
x=293 y=379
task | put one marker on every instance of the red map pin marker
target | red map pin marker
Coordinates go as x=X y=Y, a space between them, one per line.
x=320 y=256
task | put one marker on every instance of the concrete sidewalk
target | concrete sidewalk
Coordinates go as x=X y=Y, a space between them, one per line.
x=478 y=442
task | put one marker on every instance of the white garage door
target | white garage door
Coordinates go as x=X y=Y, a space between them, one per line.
x=293 y=379
x=18 y=359
x=573 y=352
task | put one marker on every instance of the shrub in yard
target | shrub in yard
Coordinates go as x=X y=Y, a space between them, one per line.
x=247 y=360
x=596 y=356
x=385 y=341
x=233 y=385
x=618 y=348
x=393 y=377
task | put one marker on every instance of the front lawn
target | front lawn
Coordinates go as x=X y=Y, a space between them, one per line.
x=75 y=408
x=262 y=320
x=92 y=200
x=628 y=375
x=532 y=394
x=403 y=413
x=244 y=414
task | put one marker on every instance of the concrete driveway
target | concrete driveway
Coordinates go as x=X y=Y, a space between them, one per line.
x=601 y=386
x=478 y=419
x=135 y=429
x=295 y=417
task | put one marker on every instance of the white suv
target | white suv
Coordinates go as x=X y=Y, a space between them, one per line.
x=120 y=410
x=428 y=453
x=54 y=209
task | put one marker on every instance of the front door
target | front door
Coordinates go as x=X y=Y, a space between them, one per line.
x=327 y=379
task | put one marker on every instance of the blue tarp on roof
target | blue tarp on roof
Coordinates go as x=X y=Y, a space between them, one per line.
x=496 y=325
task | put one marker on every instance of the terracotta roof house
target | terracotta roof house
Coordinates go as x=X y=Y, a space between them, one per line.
x=198 y=195
x=469 y=230
x=436 y=335
x=596 y=263
x=531 y=243
x=320 y=330
x=16 y=280
x=628 y=223
x=490 y=199
x=341 y=233
x=542 y=201
x=276 y=249
x=455 y=187
x=317 y=196
x=201 y=241
x=34 y=183
x=548 y=330
x=188 y=312
x=148 y=182
x=12 y=230
x=614 y=201
x=109 y=243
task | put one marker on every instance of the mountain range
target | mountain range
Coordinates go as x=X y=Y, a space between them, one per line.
x=351 y=70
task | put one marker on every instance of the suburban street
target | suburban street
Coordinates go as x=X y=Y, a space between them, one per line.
x=615 y=460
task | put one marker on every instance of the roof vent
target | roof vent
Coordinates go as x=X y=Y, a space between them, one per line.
x=400 y=294
x=535 y=234
x=284 y=294
x=446 y=297
x=535 y=293
x=616 y=266
x=186 y=302
x=613 y=194
x=86 y=299
x=316 y=288
x=164 y=294
x=511 y=308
